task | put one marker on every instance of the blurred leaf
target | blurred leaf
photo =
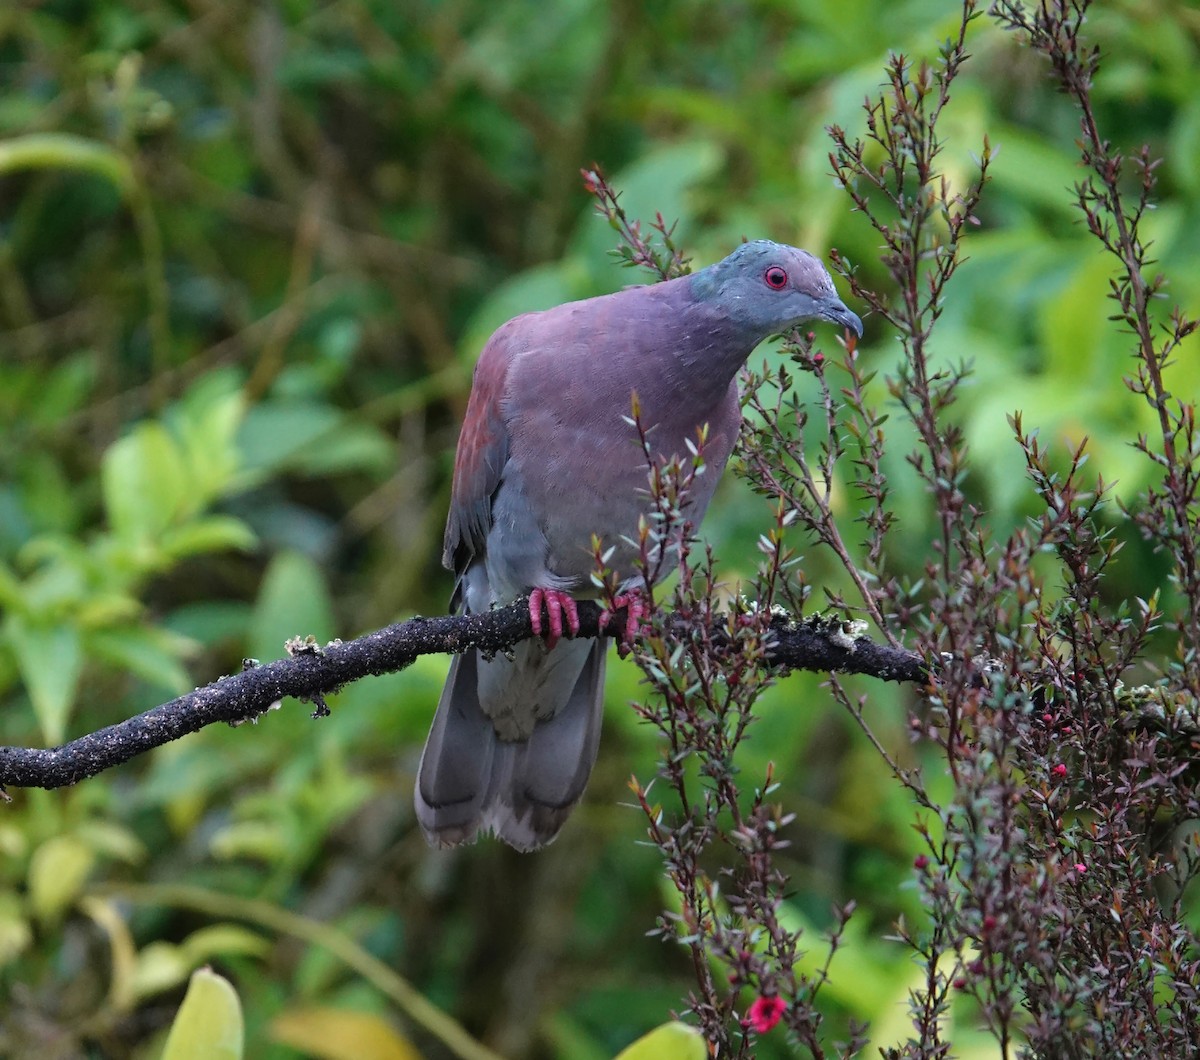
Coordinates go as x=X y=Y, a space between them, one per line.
x=671 y=1041
x=160 y=966
x=205 y=422
x=337 y=1034
x=144 y=481
x=273 y=432
x=16 y=933
x=49 y=659
x=213 y=533
x=350 y=447
x=122 y=955
x=1185 y=146
x=163 y=965
x=64 y=151
x=293 y=601
x=58 y=870
x=152 y=654
x=263 y=841
x=224 y=940
x=112 y=839
x=208 y=1025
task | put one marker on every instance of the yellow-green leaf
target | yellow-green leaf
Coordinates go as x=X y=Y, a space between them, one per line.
x=222 y=940
x=160 y=966
x=338 y=1034
x=208 y=1025
x=144 y=482
x=671 y=1041
x=57 y=872
x=64 y=151
x=15 y=931
x=121 y=948
x=50 y=659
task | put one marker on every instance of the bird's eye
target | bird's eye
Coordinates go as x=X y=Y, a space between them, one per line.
x=776 y=278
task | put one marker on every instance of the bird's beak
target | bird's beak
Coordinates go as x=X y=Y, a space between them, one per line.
x=836 y=313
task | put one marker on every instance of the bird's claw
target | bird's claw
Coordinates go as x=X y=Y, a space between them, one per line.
x=557 y=604
x=636 y=608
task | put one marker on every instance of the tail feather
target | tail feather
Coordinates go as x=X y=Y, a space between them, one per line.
x=456 y=765
x=471 y=779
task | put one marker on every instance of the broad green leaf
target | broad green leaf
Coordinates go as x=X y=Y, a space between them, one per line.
x=208 y=1025
x=58 y=870
x=213 y=533
x=206 y=422
x=293 y=601
x=99 y=610
x=144 y=481
x=150 y=653
x=671 y=1041
x=49 y=659
x=112 y=839
x=349 y=447
x=273 y=432
x=338 y=1034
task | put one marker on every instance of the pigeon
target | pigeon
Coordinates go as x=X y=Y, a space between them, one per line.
x=546 y=459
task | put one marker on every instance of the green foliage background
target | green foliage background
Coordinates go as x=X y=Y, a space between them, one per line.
x=248 y=253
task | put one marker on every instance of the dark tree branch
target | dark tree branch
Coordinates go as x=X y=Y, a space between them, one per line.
x=311 y=671
x=818 y=644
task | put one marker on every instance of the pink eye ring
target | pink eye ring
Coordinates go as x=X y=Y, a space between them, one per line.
x=775 y=277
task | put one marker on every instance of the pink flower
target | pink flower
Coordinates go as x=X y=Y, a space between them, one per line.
x=764 y=1013
x=1059 y=770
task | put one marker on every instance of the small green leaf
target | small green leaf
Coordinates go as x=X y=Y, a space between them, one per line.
x=15 y=931
x=58 y=870
x=206 y=422
x=64 y=151
x=262 y=841
x=49 y=659
x=144 y=481
x=208 y=1025
x=160 y=966
x=152 y=654
x=671 y=1041
x=223 y=940
x=214 y=533
x=112 y=840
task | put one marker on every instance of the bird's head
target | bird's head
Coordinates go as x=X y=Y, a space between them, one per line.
x=767 y=288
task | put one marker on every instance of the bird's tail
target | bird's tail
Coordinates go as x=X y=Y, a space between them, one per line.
x=472 y=779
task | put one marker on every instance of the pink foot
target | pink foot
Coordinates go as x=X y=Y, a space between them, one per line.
x=557 y=603
x=636 y=609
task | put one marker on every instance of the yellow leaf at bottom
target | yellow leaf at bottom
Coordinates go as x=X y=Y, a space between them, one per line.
x=208 y=1025
x=339 y=1034
x=671 y=1041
